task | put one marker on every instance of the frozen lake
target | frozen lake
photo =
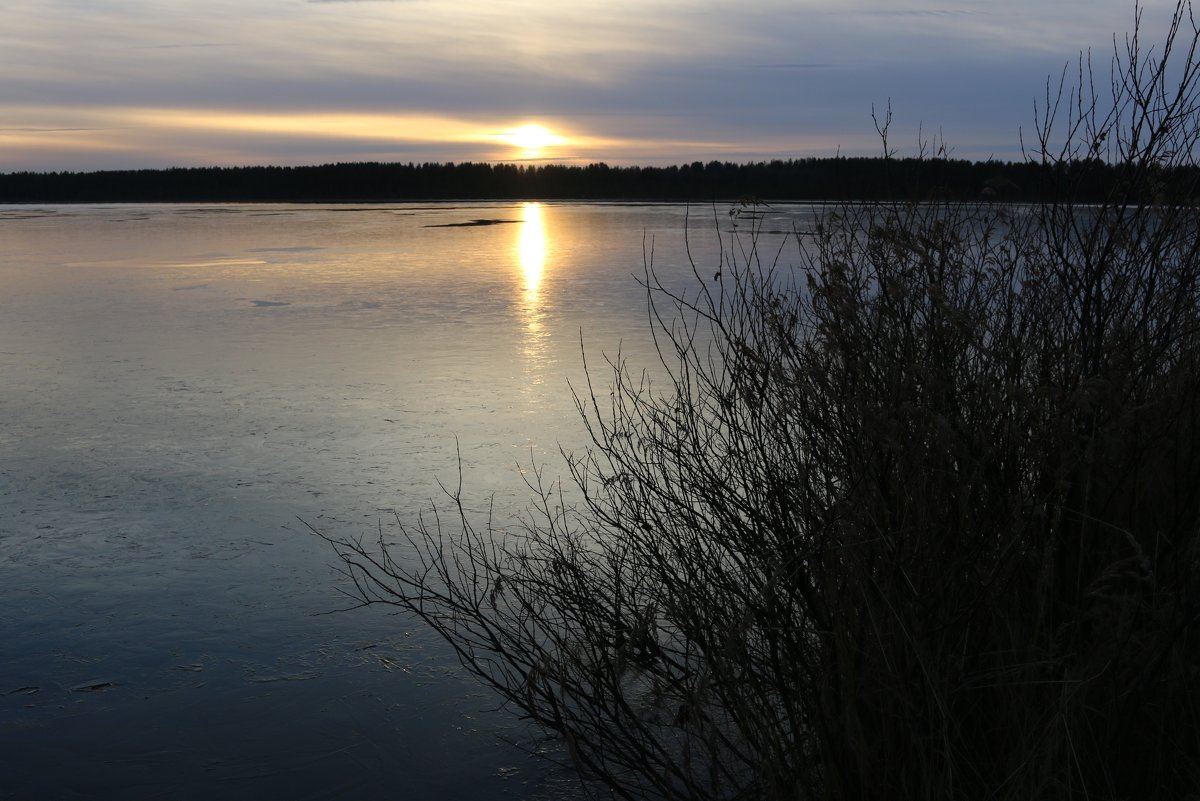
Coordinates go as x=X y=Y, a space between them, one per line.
x=181 y=385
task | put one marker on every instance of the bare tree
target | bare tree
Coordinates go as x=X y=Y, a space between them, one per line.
x=913 y=518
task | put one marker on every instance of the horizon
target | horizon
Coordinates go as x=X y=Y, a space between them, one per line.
x=294 y=83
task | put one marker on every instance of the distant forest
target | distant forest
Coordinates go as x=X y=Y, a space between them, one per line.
x=796 y=179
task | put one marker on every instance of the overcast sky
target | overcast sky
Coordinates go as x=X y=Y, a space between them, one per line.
x=97 y=84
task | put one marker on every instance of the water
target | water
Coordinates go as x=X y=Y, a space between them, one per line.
x=181 y=386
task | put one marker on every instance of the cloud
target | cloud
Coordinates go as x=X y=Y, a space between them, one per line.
x=791 y=66
x=682 y=79
x=199 y=45
x=921 y=12
x=14 y=129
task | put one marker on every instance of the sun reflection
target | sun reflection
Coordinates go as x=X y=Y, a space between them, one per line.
x=531 y=257
x=531 y=250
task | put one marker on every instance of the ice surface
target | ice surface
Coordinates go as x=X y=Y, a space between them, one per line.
x=180 y=385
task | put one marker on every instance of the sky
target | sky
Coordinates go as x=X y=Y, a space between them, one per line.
x=121 y=84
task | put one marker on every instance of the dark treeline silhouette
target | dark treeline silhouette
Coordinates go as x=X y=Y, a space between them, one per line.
x=797 y=179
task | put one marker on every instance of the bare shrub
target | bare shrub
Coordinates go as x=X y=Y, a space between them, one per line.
x=914 y=518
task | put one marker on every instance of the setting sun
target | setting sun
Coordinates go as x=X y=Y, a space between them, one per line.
x=532 y=139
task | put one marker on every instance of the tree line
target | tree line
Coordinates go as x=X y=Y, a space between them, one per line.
x=840 y=178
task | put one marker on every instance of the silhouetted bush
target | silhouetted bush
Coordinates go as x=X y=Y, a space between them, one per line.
x=914 y=519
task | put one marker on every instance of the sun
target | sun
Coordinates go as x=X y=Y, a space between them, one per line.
x=532 y=138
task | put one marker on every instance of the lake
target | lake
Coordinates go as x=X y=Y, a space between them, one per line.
x=183 y=387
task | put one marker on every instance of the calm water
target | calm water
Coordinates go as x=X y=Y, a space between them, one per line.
x=180 y=385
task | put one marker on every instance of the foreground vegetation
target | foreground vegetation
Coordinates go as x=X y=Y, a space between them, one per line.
x=915 y=519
